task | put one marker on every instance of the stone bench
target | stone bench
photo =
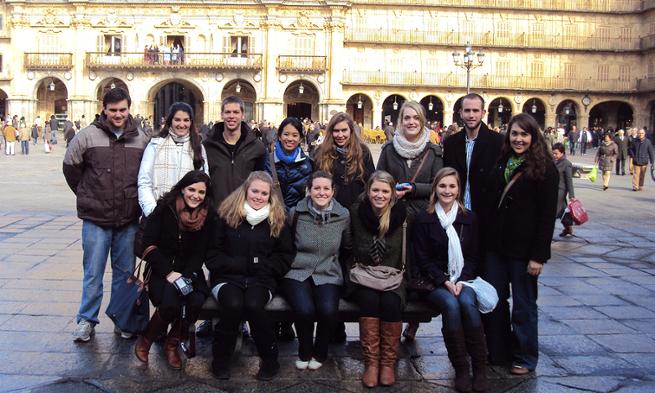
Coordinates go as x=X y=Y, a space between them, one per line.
x=279 y=309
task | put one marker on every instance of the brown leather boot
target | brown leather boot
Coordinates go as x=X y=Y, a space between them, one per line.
x=476 y=345
x=171 y=345
x=155 y=327
x=456 y=347
x=369 y=337
x=389 y=343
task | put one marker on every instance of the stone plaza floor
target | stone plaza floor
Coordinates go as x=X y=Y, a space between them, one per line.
x=596 y=307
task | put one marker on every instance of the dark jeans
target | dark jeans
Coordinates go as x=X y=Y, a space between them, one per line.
x=457 y=313
x=385 y=305
x=583 y=147
x=312 y=302
x=170 y=302
x=572 y=147
x=246 y=304
x=620 y=166
x=25 y=147
x=517 y=341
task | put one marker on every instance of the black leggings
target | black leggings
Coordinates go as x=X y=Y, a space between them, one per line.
x=385 y=305
x=171 y=302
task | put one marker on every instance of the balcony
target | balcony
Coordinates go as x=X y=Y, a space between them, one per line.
x=48 y=61
x=647 y=42
x=602 y=6
x=452 y=80
x=489 y=39
x=646 y=84
x=302 y=64
x=161 y=61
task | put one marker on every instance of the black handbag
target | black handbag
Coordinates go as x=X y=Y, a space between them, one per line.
x=138 y=237
x=130 y=308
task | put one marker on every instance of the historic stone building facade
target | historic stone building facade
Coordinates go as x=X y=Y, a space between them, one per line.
x=590 y=62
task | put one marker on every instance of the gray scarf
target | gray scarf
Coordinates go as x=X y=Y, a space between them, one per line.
x=320 y=216
x=410 y=150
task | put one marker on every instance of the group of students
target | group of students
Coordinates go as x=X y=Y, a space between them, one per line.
x=300 y=225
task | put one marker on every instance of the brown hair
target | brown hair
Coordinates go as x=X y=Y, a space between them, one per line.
x=537 y=154
x=327 y=152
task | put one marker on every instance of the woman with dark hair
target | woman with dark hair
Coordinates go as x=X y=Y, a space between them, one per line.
x=377 y=230
x=565 y=188
x=175 y=240
x=520 y=220
x=313 y=285
x=605 y=158
x=446 y=246
x=166 y=159
x=251 y=250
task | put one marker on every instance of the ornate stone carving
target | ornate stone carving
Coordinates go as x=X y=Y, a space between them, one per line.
x=50 y=19
x=19 y=20
x=303 y=21
x=111 y=20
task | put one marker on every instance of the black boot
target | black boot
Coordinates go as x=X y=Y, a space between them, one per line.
x=269 y=366
x=222 y=350
x=456 y=347
x=476 y=345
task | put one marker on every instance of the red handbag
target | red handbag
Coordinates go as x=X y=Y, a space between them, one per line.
x=578 y=212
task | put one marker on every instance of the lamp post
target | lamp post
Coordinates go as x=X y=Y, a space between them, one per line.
x=468 y=62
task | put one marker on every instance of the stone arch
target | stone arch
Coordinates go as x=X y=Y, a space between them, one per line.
x=301 y=98
x=167 y=91
x=614 y=114
x=105 y=85
x=567 y=113
x=360 y=107
x=3 y=103
x=536 y=108
x=51 y=94
x=434 y=107
x=499 y=112
x=244 y=89
x=391 y=108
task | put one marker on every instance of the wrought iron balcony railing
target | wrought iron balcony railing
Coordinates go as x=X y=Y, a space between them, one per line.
x=184 y=61
x=305 y=64
x=604 y=6
x=48 y=61
x=453 y=80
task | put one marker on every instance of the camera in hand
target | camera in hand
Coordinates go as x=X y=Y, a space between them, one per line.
x=183 y=285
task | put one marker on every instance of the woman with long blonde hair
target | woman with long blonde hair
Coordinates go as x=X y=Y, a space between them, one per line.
x=377 y=233
x=252 y=250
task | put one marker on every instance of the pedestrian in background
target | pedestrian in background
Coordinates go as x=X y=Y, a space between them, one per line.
x=622 y=143
x=565 y=191
x=642 y=153
x=573 y=137
x=24 y=136
x=10 y=134
x=606 y=157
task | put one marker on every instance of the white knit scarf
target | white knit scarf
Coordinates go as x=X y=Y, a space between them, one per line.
x=253 y=216
x=167 y=171
x=410 y=150
x=455 y=256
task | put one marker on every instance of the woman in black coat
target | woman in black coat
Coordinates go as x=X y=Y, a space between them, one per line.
x=175 y=240
x=520 y=220
x=446 y=250
x=565 y=190
x=251 y=249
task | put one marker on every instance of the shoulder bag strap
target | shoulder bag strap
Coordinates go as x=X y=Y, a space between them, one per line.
x=508 y=186
x=404 y=246
x=276 y=180
x=425 y=156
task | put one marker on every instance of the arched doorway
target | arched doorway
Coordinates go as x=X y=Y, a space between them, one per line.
x=246 y=91
x=651 y=117
x=301 y=100
x=105 y=86
x=537 y=109
x=360 y=107
x=500 y=111
x=433 y=110
x=163 y=95
x=567 y=114
x=611 y=114
x=457 y=119
x=51 y=98
x=391 y=108
x=3 y=104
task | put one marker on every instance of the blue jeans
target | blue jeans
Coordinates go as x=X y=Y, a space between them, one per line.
x=312 y=302
x=25 y=147
x=457 y=313
x=97 y=243
x=518 y=340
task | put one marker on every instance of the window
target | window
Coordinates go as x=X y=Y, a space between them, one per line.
x=502 y=68
x=238 y=45
x=502 y=30
x=47 y=42
x=536 y=32
x=113 y=44
x=624 y=73
x=604 y=34
x=651 y=69
x=603 y=72
x=626 y=33
x=570 y=71
x=537 y=69
x=303 y=44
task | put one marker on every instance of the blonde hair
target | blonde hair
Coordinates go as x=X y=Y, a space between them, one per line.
x=327 y=151
x=385 y=217
x=441 y=173
x=418 y=108
x=232 y=211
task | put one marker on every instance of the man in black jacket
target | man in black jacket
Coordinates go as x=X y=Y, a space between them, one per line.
x=622 y=142
x=473 y=152
x=642 y=153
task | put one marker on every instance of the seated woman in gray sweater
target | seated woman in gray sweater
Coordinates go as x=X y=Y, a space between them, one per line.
x=313 y=285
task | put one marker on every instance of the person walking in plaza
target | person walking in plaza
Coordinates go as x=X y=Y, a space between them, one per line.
x=585 y=139
x=69 y=131
x=313 y=285
x=169 y=157
x=573 y=136
x=622 y=143
x=251 y=249
x=565 y=191
x=413 y=161
x=35 y=134
x=378 y=232
x=605 y=158
x=642 y=153
x=521 y=207
x=101 y=167
x=24 y=136
x=446 y=245
x=175 y=240
x=10 y=134
x=54 y=125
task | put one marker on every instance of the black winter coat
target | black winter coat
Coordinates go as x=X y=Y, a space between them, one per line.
x=248 y=256
x=348 y=192
x=623 y=147
x=431 y=246
x=179 y=251
x=522 y=226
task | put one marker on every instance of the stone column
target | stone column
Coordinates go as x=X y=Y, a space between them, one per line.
x=377 y=116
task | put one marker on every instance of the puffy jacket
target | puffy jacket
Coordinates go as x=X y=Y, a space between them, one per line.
x=102 y=172
x=292 y=177
x=248 y=255
x=641 y=152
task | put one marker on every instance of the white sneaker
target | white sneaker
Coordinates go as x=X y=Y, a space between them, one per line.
x=301 y=364
x=125 y=335
x=314 y=364
x=84 y=331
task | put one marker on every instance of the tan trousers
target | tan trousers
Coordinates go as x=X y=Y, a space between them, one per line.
x=606 y=178
x=638 y=176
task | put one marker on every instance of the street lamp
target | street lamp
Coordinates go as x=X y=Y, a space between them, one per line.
x=395 y=104
x=238 y=88
x=500 y=107
x=534 y=106
x=51 y=86
x=468 y=63
x=359 y=102
x=430 y=105
x=112 y=86
x=301 y=88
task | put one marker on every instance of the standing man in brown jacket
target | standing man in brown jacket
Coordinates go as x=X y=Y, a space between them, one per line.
x=101 y=167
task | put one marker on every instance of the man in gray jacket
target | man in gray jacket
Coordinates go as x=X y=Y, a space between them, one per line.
x=642 y=153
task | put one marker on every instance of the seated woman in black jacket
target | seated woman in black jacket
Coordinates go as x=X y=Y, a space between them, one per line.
x=446 y=250
x=175 y=240
x=251 y=249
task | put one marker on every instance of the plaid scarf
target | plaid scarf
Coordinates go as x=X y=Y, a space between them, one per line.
x=173 y=160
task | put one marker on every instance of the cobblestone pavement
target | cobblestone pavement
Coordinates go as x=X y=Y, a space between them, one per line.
x=597 y=308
